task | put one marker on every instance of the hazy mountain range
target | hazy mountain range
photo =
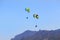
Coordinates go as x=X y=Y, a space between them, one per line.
x=39 y=35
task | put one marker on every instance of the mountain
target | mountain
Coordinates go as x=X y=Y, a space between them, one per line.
x=24 y=34
x=39 y=35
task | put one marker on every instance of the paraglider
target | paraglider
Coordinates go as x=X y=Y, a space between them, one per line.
x=27 y=9
x=36 y=16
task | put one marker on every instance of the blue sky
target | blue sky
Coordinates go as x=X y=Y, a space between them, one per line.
x=13 y=16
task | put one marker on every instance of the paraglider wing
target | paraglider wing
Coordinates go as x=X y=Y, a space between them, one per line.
x=35 y=16
x=27 y=9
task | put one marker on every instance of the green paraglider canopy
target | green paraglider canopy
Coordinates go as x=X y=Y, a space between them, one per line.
x=36 y=16
x=27 y=9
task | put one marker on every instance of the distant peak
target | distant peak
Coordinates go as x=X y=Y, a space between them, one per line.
x=28 y=30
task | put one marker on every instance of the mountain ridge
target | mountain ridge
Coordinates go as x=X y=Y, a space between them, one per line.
x=39 y=35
